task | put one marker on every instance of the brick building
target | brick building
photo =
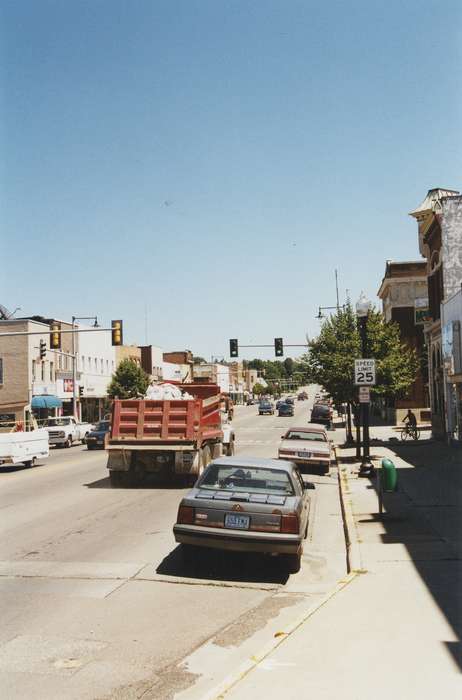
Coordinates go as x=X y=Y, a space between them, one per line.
x=404 y=296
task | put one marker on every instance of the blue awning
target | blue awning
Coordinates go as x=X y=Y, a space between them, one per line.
x=46 y=401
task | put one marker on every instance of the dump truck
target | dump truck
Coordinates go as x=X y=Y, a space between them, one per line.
x=168 y=438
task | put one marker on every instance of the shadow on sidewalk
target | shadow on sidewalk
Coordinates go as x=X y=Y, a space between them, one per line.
x=426 y=517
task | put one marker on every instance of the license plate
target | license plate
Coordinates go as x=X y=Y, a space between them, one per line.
x=237 y=522
x=304 y=454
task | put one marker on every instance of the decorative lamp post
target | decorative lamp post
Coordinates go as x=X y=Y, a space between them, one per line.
x=363 y=306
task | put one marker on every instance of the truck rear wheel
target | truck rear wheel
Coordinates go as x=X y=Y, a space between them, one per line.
x=119 y=479
x=68 y=442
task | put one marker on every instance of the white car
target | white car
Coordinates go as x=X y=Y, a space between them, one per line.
x=65 y=430
x=308 y=446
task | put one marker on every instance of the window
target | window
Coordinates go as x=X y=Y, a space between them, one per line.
x=107 y=366
x=96 y=364
x=1 y=370
x=33 y=371
x=102 y=366
x=83 y=363
x=52 y=371
x=43 y=372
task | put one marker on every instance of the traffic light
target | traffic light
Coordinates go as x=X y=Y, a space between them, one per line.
x=233 y=347
x=80 y=391
x=55 y=336
x=117 y=332
x=43 y=349
x=278 y=347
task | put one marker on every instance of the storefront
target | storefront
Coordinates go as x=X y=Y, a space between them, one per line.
x=45 y=406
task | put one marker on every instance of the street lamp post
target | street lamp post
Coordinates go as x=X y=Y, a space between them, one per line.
x=363 y=306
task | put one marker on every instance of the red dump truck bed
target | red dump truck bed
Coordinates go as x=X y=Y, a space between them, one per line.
x=149 y=421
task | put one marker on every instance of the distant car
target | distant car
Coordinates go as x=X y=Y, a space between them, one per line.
x=286 y=409
x=265 y=407
x=302 y=396
x=322 y=413
x=279 y=403
x=307 y=446
x=246 y=505
x=250 y=401
x=95 y=438
x=291 y=400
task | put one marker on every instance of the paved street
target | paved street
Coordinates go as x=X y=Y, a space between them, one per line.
x=96 y=599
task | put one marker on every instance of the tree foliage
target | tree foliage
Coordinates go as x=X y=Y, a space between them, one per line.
x=258 y=389
x=128 y=381
x=330 y=358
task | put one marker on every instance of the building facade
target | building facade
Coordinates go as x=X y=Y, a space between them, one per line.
x=405 y=300
x=440 y=243
x=451 y=322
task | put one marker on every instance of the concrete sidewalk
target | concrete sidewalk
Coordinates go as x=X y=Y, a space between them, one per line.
x=396 y=627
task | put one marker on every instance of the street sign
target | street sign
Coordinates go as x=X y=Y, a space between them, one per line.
x=364 y=394
x=365 y=372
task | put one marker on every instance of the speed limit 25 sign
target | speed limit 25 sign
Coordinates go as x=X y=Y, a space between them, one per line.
x=365 y=372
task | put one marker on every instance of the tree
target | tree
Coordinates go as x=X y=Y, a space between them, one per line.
x=330 y=357
x=197 y=360
x=258 y=389
x=128 y=381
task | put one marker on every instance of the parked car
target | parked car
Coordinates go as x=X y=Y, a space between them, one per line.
x=250 y=401
x=265 y=407
x=322 y=413
x=96 y=437
x=23 y=447
x=307 y=447
x=65 y=430
x=246 y=505
x=286 y=409
x=291 y=400
x=279 y=403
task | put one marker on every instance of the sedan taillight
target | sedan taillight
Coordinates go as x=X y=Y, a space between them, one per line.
x=185 y=515
x=290 y=524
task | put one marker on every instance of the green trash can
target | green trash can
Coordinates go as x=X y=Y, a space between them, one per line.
x=388 y=476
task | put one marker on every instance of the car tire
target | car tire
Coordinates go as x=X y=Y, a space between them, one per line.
x=29 y=462
x=68 y=442
x=293 y=563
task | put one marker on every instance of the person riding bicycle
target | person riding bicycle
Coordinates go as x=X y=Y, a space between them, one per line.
x=411 y=420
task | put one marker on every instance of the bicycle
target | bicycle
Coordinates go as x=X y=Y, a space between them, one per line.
x=410 y=431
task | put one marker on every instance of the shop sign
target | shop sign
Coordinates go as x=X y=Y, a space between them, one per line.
x=68 y=386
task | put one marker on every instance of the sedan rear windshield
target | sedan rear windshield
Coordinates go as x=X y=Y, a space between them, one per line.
x=247 y=479
x=321 y=410
x=305 y=435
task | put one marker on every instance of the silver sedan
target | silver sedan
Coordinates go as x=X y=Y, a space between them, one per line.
x=247 y=505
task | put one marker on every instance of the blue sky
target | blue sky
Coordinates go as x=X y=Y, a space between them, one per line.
x=208 y=164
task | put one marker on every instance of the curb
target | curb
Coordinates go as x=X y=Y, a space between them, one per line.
x=220 y=691
x=354 y=561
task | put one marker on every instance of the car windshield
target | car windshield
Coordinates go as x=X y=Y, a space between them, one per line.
x=56 y=422
x=246 y=479
x=103 y=425
x=321 y=409
x=265 y=404
x=305 y=435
